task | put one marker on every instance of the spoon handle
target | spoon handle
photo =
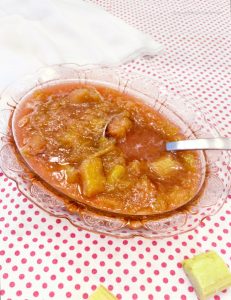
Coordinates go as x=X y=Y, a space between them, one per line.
x=200 y=144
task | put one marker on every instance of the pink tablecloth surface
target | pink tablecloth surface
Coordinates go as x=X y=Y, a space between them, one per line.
x=46 y=258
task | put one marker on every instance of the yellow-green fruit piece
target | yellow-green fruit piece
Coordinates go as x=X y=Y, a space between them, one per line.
x=92 y=175
x=117 y=172
x=208 y=274
x=101 y=293
x=165 y=166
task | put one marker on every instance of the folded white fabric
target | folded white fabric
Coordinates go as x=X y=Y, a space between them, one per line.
x=35 y=33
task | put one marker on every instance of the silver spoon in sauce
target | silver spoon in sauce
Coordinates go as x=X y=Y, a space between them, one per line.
x=219 y=143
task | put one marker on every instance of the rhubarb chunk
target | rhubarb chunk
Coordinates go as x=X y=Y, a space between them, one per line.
x=208 y=274
x=101 y=293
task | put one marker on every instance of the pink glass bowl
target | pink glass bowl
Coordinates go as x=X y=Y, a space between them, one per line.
x=176 y=107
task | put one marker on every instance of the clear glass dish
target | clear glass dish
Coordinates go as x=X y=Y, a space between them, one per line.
x=176 y=107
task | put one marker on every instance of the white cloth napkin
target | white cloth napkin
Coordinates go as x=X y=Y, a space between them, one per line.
x=34 y=33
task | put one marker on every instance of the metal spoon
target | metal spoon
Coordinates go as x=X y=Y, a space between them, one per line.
x=200 y=144
x=196 y=144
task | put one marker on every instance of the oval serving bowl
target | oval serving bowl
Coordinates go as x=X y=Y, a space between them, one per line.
x=177 y=108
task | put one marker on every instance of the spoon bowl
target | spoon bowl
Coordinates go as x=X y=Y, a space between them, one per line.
x=219 y=143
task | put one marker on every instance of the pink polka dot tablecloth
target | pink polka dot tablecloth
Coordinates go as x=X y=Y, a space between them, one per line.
x=46 y=258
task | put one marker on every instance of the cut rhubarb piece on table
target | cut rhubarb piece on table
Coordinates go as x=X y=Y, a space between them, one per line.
x=101 y=293
x=208 y=274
